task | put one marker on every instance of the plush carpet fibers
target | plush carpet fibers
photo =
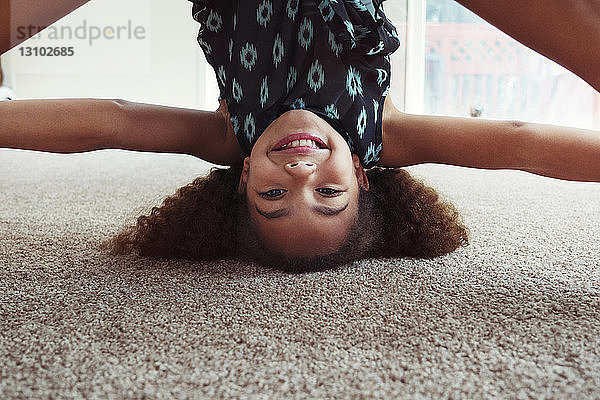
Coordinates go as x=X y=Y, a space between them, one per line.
x=514 y=315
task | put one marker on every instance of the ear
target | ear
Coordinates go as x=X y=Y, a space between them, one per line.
x=361 y=174
x=244 y=176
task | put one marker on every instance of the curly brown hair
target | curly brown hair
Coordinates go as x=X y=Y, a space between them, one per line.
x=208 y=220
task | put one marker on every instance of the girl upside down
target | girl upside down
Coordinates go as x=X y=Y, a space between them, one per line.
x=314 y=144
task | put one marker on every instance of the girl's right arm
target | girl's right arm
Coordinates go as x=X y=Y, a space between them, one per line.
x=79 y=125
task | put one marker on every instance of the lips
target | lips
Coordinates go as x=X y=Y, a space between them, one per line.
x=299 y=136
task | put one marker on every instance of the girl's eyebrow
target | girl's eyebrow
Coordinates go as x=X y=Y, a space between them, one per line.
x=329 y=210
x=283 y=212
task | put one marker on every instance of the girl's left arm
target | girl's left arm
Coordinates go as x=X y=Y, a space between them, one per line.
x=553 y=151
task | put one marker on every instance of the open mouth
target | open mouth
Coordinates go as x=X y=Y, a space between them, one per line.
x=300 y=140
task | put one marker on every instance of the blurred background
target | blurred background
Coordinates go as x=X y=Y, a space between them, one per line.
x=471 y=68
x=450 y=63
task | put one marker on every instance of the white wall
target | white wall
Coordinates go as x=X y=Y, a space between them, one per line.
x=170 y=68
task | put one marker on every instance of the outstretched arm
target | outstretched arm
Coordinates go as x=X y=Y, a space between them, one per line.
x=59 y=126
x=79 y=125
x=553 y=151
x=566 y=31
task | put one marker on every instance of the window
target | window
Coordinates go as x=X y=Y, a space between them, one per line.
x=396 y=11
x=472 y=68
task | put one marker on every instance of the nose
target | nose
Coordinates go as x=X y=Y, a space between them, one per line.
x=300 y=168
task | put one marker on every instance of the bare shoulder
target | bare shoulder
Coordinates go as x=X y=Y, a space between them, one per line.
x=397 y=149
x=234 y=150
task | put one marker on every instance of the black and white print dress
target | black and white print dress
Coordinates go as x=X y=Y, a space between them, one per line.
x=330 y=57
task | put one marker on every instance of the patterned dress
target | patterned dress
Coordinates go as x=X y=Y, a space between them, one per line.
x=330 y=57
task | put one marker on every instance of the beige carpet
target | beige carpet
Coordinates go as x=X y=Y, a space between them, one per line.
x=514 y=315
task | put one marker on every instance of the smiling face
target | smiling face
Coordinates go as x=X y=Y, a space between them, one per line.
x=302 y=185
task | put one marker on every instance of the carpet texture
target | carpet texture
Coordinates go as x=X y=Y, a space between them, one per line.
x=514 y=315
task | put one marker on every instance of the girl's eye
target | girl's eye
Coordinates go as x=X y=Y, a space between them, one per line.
x=329 y=192
x=273 y=193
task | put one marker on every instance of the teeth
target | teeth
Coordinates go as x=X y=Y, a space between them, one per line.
x=301 y=143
